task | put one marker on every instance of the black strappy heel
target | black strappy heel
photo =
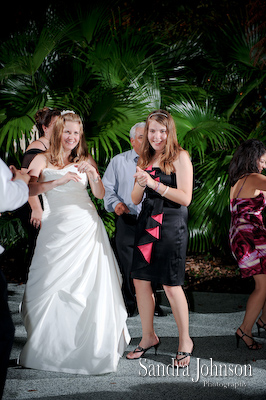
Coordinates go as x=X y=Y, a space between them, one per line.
x=257 y=345
x=140 y=349
x=185 y=354
x=263 y=326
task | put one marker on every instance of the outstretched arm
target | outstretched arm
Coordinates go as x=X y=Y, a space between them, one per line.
x=35 y=169
x=37 y=187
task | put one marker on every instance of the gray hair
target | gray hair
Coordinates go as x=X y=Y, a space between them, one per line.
x=132 y=132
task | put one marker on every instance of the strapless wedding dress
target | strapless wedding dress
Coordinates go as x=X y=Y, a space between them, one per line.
x=73 y=309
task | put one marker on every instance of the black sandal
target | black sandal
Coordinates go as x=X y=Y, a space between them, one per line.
x=257 y=345
x=183 y=353
x=140 y=349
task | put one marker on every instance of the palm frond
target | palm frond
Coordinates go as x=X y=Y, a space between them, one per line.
x=11 y=230
x=13 y=130
x=208 y=227
x=198 y=127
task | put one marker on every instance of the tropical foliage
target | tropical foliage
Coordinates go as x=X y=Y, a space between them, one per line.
x=113 y=70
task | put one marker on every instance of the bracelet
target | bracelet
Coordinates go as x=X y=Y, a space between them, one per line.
x=141 y=185
x=97 y=179
x=157 y=188
x=166 y=190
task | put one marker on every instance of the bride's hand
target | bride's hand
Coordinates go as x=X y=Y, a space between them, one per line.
x=88 y=168
x=69 y=176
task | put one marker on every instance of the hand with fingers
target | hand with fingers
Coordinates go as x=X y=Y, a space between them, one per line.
x=69 y=176
x=17 y=174
x=121 y=208
x=36 y=218
x=144 y=179
x=89 y=169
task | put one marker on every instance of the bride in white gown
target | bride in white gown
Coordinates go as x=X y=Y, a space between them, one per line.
x=73 y=309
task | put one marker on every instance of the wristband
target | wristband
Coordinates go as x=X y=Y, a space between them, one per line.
x=157 y=188
x=97 y=179
x=166 y=190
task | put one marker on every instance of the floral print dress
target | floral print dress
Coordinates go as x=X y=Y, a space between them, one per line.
x=248 y=234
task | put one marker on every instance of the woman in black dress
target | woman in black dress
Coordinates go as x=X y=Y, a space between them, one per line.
x=31 y=213
x=165 y=174
x=45 y=119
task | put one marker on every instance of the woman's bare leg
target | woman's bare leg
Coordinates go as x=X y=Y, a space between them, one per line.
x=179 y=306
x=146 y=305
x=255 y=304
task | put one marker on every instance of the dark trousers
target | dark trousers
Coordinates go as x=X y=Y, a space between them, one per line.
x=22 y=268
x=124 y=243
x=7 y=331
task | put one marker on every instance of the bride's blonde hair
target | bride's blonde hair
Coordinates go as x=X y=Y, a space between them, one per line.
x=55 y=152
x=172 y=148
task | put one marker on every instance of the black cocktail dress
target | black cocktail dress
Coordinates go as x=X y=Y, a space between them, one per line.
x=161 y=236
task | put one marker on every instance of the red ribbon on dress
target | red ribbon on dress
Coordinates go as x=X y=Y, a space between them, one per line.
x=156 y=218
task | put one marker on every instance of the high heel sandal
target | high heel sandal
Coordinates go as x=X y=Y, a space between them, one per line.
x=140 y=349
x=249 y=346
x=263 y=326
x=183 y=353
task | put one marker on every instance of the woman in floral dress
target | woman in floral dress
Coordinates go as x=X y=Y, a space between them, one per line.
x=247 y=232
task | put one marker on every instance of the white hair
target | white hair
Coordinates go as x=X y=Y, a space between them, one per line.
x=132 y=132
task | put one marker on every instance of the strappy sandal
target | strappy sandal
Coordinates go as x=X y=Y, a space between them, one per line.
x=185 y=355
x=253 y=346
x=140 y=349
x=263 y=326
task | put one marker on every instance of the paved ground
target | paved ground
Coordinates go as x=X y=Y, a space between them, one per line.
x=218 y=370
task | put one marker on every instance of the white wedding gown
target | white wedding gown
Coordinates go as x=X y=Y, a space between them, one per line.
x=73 y=309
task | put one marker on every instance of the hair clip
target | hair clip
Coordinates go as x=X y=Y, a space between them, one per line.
x=67 y=112
x=158 y=113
